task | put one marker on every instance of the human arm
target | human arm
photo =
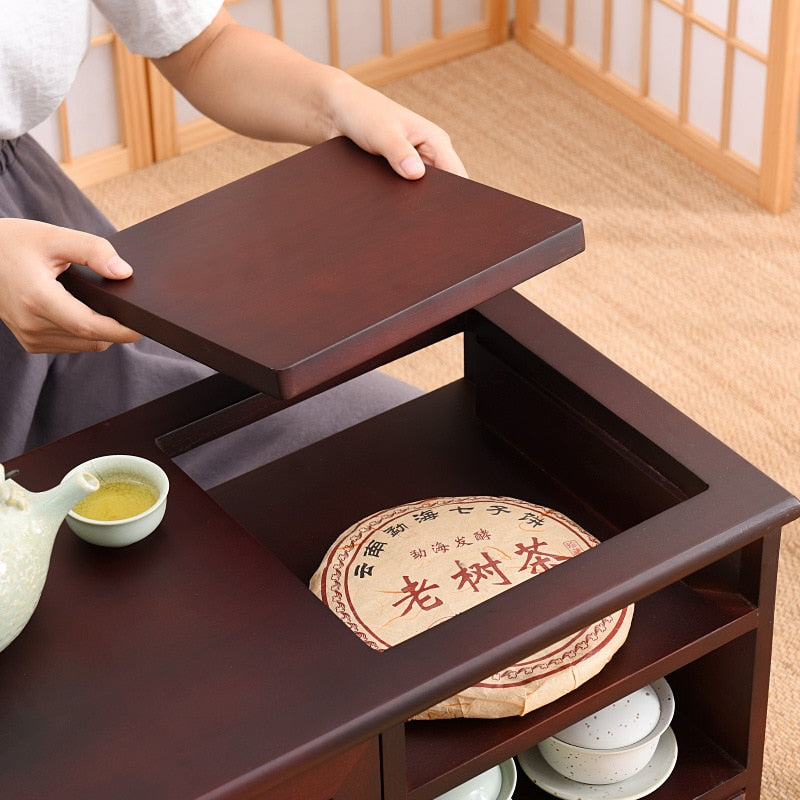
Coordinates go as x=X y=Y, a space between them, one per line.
x=257 y=86
x=254 y=84
x=37 y=309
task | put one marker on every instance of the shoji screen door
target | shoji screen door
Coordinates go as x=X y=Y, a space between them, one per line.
x=716 y=79
x=103 y=127
x=121 y=114
x=375 y=40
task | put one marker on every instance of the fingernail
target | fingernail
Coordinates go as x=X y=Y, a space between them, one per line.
x=119 y=268
x=412 y=167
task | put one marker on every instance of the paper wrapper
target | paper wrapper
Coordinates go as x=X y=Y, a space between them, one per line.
x=406 y=569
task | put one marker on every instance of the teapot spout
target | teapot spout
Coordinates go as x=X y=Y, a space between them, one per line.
x=54 y=503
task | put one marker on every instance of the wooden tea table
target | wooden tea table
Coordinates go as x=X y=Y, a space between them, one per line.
x=196 y=663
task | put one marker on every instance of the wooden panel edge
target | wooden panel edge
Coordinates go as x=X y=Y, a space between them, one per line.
x=101 y=165
x=134 y=113
x=385 y=68
x=779 y=138
x=162 y=113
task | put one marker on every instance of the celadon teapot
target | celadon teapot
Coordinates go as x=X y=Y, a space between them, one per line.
x=29 y=522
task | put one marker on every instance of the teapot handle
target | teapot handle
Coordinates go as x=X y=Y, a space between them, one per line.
x=9 y=491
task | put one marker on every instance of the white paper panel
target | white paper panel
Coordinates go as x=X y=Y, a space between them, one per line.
x=626 y=40
x=706 y=81
x=752 y=22
x=553 y=18
x=412 y=22
x=184 y=110
x=747 y=110
x=460 y=13
x=588 y=29
x=360 y=31
x=715 y=11
x=49 y=137
x=92 y=104
x=99 y=24
x=256 y=14
x=666 y=41
x=305 y=28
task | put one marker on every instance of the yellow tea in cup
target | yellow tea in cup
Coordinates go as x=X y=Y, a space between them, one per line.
x=120 y=497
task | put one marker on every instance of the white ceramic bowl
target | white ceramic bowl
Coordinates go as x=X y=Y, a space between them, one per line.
x=624 y=722
x=599 y=765
x=121 y=532
x=497 y=783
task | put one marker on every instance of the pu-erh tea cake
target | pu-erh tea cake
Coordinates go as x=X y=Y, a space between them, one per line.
x=405 y=569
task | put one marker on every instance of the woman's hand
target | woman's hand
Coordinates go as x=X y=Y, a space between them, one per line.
x=38 y=310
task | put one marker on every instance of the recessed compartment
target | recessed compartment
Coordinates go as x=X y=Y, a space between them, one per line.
x=516 y=426
x=532 y=437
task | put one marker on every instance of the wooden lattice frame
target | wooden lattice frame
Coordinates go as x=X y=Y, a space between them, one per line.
x=768 y=183
x=171 y=139
x=146 y=103
x=135 y=148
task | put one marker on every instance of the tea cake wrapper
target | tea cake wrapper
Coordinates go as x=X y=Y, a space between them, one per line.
x=405 y=569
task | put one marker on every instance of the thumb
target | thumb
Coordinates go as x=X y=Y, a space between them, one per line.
x=116 y=267
x=96 y=253
x=409 y=164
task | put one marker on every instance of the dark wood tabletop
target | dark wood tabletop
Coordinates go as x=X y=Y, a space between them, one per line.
x=197 y=664
x=194 y=644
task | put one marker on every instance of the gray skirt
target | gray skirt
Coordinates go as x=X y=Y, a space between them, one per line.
x=44 y=397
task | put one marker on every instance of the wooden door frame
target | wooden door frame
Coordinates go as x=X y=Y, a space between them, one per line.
x=770 y=183
x=170 y=138
x=135 y=148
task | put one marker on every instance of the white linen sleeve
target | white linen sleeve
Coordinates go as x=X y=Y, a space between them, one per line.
x=156 y=28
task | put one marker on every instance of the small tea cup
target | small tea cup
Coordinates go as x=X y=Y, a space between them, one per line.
x=114 y=469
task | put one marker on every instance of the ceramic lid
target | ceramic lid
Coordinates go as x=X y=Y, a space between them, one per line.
x=619 y=724
x=411 y=567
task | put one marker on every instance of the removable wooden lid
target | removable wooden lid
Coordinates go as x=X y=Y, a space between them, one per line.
x=405 y=569
x=310 y=268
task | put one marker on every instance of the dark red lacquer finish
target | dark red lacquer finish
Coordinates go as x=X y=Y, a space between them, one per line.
x=196 y=664
x=295 y=274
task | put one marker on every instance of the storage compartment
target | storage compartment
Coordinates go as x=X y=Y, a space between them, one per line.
x=533 y=436
x=436 y=446
x=437 y=752
x=517 y=426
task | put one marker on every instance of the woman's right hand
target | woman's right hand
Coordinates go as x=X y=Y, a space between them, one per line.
x=37 y=309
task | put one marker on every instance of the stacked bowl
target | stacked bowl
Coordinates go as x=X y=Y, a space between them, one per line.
x=626 y=749
x=497 y=783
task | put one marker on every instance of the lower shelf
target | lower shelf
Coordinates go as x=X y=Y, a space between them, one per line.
x=443 y=753
x=703 y=771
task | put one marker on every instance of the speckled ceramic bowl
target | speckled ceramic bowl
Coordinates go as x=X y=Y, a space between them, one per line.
x=622 y=723
x=603 y=764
